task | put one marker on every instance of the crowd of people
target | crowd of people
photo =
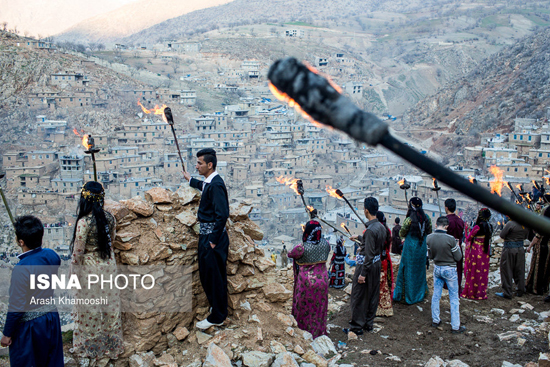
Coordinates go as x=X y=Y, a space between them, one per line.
x=460 y=253
x=460 y=257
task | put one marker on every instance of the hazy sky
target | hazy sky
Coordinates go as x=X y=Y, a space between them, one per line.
x=49 y=17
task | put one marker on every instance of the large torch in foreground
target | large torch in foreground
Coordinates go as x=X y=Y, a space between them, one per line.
x=5 y=200
x=321 y=102
x=404 y=185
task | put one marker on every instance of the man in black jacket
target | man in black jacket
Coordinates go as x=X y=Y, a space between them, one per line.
x=213 y=239
x=365 y=290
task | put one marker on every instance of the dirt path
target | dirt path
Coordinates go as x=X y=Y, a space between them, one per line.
x=409 y=335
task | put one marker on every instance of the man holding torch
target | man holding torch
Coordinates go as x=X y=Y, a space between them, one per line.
x=366 y=281
x=213 y=239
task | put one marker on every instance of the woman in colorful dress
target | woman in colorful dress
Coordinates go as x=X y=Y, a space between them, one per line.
x=98 y=330
x=310 y=302
x=411 y=285
x=385 y=307
x=337 y=273
x=477 y=256
x=538 y=279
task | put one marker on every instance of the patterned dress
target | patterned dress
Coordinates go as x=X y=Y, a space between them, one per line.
x=476 y=267
x=337 y=271
x=385 y=307
x=310 y=301
x=98 y=331
x=411 y=285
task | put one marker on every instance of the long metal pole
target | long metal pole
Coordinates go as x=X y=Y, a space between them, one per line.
x=178 y=147
x=354 y=211
x=95 y=168
x=438 y=203
x=6 y=205
x=322 y=102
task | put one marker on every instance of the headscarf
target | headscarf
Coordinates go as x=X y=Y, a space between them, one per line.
x=485 y=229
x=312 y=232
x=418 y=218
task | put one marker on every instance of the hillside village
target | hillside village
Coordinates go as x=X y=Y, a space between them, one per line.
x=258 y=139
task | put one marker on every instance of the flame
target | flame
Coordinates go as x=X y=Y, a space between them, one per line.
x=518 y=186
x=281 y=96
x=343 y=225
x=310 y=208
x=85 y=141
x=75 y=131
x=402 y=182
x=547 y=180
x=303 y=227
x=547 y=170
x=332 y=192
x=471 y=178
x=155 y=111
x=498 y=223
x=289 y=181
x=497 y=182
x=434 y=183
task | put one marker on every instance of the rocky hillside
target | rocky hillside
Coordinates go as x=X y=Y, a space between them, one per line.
x=511 y=83
x=132 y=18
x=261 y=11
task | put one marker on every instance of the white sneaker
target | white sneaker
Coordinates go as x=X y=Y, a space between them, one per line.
x=205 y=324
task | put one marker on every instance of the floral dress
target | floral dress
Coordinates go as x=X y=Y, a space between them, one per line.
x=98 y=329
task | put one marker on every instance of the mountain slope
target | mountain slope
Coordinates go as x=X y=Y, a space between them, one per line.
x=259 y=11
x=47 y=18
x=133 y=18
x=515 y=82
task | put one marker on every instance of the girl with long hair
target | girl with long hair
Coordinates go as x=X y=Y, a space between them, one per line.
x=98 y=332
x=385 y=307
x=411 y=285
x=477 y=256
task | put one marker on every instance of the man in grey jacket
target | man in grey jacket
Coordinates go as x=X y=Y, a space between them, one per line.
x=365 y=290
x=445 y=252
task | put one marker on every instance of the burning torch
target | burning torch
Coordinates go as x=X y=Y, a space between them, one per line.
x=340 y=194
x=514 y=192
x=404 y=185
x=436 y=188
x=5 y=200
x=89 y=143
x=312 y=213
x=323 y=103
x=167 y=116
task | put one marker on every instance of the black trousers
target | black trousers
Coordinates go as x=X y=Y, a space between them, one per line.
x=364 y=298
x=213 y=275
x=512 y=267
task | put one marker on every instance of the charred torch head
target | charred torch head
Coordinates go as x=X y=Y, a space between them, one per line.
x=91 y=146
x=339 y=193
x=300 y=187
x=404 y=185
x=2 y=175
x=435 y=186
x=168 y=115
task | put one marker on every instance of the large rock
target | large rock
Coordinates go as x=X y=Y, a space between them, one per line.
x=287 y=320
x=139 y=206
x=181 y=332
x=239 y=211
x=236 y=284
x=142 y=360
x=186 y=194
x=263 y=264
x=276 y=292
x=216 y=357
x=202 y=337
x=118 y=210
x=435 y=362
x=257 y=359
x=315 y=359
x=158 y=195
x=252 y=229
x=187 y=217
x=323 y=346
x=285 y=360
